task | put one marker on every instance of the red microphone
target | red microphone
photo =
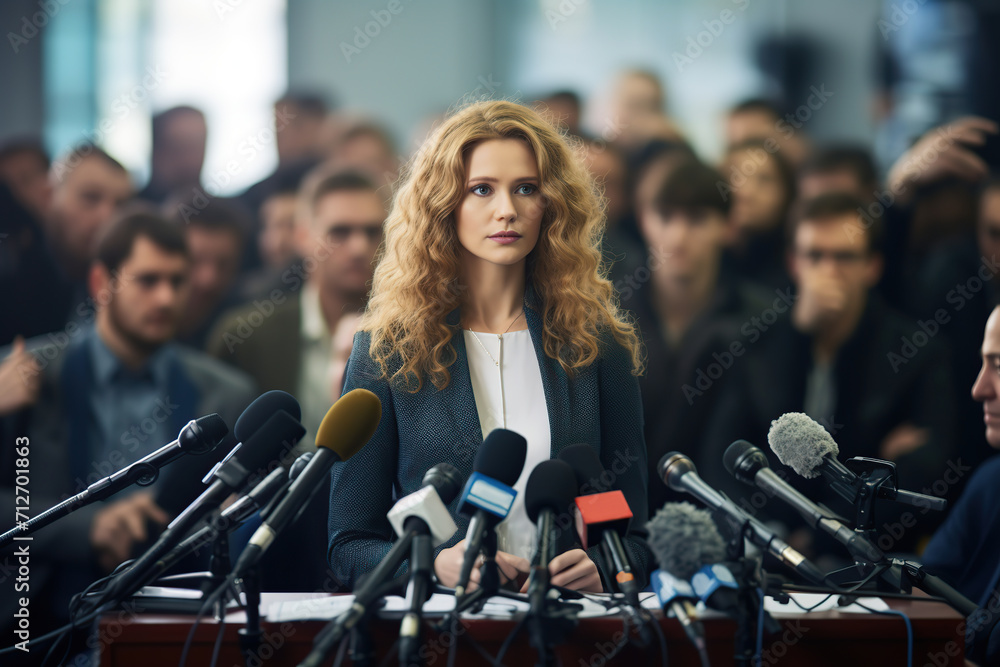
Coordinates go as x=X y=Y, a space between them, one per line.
x=605 y=517
x=602 y=517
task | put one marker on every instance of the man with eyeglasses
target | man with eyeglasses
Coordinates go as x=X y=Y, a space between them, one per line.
x=102 y=393
x=298 y=337
x=877 y=381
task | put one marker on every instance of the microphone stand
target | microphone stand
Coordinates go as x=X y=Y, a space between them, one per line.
x=489 y=583
x=362 y=648
x=419 y=591
x=748 y=575
x=250 y=633
x=876 y=484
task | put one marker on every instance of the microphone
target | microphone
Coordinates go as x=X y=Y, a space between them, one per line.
x=806 y=447
x=602 y=517
x=488 y=494
x=750 y=465
x=347 y=426
x=260 y=496
x=682 y=539
x=425 y=510
x=715 y=585
x=444 y=480
x=199 y=436
x=271 y=420
x=423 y=515
x=549 y=491
x=678 y=472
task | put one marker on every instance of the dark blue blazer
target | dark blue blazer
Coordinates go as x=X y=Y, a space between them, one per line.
x=600 y=405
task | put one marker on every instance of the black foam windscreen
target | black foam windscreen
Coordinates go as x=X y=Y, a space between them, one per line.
x=551 y=485
x=446 y=480
x=275 y=437
x=501 y=456
x=263 y=407
x=207 y=433
x=683 y=538
x=587 y=467
x=733 y=454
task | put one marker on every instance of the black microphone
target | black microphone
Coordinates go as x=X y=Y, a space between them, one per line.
x=603 y=517
x=803 y=445
x=488 y=494
x=550 y=491
x=439 y=483
x=683 y=539
x=347 y=426
x=199 y=436
x=269 y=422
x=679 y=473
x=426 y=517
x=260 y=498
x=750 y=465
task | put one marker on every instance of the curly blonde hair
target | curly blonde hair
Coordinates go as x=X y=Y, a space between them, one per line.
x=416 y=283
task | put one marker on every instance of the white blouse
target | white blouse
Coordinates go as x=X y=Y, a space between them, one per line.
x=523 y=403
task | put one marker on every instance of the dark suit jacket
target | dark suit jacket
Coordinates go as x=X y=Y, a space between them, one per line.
x=600 y=406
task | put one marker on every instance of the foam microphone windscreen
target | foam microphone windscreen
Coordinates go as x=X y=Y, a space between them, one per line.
x=800 y=443
x=501 y=456
x=586 y=465
x=350 y=423
x=733 y=454
x=207 y=433
x=551 y=485
x=445 y=479
x=683 y=538
x=261 y=410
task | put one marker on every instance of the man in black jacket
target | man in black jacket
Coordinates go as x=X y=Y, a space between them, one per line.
x=877 y=381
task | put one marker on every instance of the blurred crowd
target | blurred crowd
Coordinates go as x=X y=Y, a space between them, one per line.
x=791 y=276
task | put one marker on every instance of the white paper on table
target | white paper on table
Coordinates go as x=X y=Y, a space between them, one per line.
x=810 y=600
x=439 y=604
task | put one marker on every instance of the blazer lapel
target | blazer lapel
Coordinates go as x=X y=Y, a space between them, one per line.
x=555 y=383
x=458 y=401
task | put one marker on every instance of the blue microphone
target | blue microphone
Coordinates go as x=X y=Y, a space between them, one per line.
x=716 y=586
x=488 y=495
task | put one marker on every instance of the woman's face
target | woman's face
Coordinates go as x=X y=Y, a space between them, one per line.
x=500 y=215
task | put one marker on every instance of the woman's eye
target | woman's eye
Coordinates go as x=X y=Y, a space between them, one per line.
x=481 y=189
x=527 y=189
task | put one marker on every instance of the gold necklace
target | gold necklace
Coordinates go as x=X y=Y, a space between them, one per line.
x=499 y=336
x=496 y=362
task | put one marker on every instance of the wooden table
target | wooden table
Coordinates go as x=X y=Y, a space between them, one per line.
x=826 y=638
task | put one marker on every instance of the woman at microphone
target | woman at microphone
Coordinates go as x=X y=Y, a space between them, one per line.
x=490 y=309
